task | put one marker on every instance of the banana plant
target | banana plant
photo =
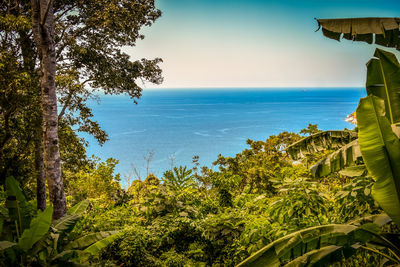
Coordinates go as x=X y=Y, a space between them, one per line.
x=378 y=117
x=319 y=142
x=385 y=30
x=43 y=241
x=323 y=245
x=383 y=80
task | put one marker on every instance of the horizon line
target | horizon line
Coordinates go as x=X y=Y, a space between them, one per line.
x=254 y=87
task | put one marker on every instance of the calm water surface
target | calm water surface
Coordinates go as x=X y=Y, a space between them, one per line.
x=187 y=122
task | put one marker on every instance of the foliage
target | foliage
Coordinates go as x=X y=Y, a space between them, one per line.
x=320 y=245
x=301 y=203
x=254 y=205
x=382 y=31
x=310 y=130
x=44 y=241
x=355 y=199
x=380 y=150
x=260 y=164
x=95 y=181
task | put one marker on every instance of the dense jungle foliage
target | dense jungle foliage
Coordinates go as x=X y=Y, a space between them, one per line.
x=192 y=216
x=311 y=198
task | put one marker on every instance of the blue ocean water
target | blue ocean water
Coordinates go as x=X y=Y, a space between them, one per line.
x=182 y=123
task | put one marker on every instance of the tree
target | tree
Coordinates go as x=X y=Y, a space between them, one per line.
x=43 y=32
x=88 y=40
x=311 y=129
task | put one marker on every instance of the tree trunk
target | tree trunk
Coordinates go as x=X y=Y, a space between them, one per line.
x=39 y=173
x=43 y=29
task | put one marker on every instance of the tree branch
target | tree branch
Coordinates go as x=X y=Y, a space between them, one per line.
x=43 y=19
x=68 y=100
x=69 y=97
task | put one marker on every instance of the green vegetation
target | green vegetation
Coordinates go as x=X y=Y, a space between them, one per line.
x=264 y=207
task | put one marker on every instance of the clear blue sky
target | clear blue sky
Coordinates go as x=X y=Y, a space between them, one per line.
x=253 y=43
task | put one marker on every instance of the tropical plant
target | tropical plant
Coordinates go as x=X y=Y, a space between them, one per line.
x=385 y=30
x=355 y=198
x=301 y=203
x=380 y=150
x=43 y=241
x=383 y=80
x=325 y=244
x=179 y=178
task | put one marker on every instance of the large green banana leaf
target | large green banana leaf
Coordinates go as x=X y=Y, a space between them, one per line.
x=320 y=142
x=380 y=149
x=386 y=30
x=306 y=243
x=322 y=257
x=39 y=227
x=88 y=240
x=66 y=223
x=99 y=245
x=383 y=80
x=17 y=204
x=346 y=156
x=79 y=208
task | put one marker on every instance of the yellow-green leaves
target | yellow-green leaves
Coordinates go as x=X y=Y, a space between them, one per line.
x=380 y=149
x=10 y=22
x=320 y=142
x=383 y=80
x=39 y=227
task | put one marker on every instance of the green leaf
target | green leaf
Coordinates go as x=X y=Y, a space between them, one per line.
x=297 y=244
x=310 y=240
x=320 y=142
x=378 y=219
x=17 y=205
x=66 y=223
x=380 y=149
x=99 y=245
x=383 y=80
x=64 y=256
x=79 y=208
x=325 y=256
x=39 y=227
x=354 y=171
x=348 y=155
x=88 y=240
x=6 y=244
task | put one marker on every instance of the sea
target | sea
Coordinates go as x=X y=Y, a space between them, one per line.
x=168 y=127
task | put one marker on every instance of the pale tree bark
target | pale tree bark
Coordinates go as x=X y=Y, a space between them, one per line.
x=43 y=30
x=39 y=173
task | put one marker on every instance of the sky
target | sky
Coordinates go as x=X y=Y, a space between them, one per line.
x=254 y=43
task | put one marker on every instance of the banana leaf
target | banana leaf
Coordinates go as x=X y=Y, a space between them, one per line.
x=346 y=156
x=17 y=205
x=380 y=149
x=39 y=227
x=385 y=30
x=99 y=245
x=66 y=223
x=79 y=208
x=383 y=80
x=354 y=171
x=378 y=219
x=88 y=240
x=320 y=142
x=323 y=257
x=298 y=244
